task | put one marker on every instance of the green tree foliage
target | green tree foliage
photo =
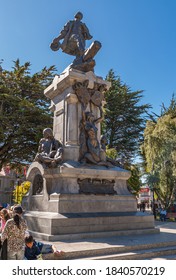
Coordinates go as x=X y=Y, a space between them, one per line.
x=134 y=182
x=124 y=125
x=23 y=112
x=159 y=151
x=124 y=118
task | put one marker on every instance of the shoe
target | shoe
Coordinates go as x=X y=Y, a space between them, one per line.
x=39 y=257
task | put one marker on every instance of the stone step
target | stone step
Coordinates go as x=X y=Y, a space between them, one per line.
x=165 y=252
x=159 y=245
x=164 y=257
x=73 y=225
x=128 y=252
x=139 y=251
x=138 y=255
x=84 y=235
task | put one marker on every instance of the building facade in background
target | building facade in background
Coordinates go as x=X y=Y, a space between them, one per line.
x=145 y=196
x=9 y=179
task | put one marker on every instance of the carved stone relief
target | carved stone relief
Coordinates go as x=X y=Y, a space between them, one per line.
x=96 y=186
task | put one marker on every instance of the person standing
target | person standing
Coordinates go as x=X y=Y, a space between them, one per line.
x=14 y=233
x=4 y=217
x=143 y=206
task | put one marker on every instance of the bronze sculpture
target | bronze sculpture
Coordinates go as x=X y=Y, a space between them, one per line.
x=74 y=35
x=50 y=150
x=90 y=149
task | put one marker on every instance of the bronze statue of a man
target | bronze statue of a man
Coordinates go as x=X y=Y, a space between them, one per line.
x=74 y=35
x=50 y=150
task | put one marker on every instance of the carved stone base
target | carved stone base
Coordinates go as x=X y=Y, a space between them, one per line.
x=55 y=226
x=76 y=188
x=75 y=178
x=84 y=200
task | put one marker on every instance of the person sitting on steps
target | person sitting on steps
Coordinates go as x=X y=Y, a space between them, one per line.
x=35 y=250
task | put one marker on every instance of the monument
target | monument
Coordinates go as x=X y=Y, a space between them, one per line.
x=76 y=190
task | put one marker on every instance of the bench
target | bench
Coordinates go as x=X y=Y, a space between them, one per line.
x=171 y=215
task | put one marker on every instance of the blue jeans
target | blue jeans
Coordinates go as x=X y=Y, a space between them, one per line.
x=163 y=217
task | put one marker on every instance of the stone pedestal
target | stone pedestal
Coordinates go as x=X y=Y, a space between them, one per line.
x=76 y=201
x=67 y=108
x=77 y=198
x=78 y=189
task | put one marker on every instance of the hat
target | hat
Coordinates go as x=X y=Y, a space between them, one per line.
x=79 y=15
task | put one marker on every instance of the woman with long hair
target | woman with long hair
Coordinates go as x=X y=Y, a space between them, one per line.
x=14 y=233
x=4 y=217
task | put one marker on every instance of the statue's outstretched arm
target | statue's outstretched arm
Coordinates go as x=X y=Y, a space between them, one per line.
x=63 y=33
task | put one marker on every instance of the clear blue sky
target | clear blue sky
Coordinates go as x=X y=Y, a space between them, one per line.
x=138 y=39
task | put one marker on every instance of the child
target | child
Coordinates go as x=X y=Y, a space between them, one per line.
x=34 y=249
